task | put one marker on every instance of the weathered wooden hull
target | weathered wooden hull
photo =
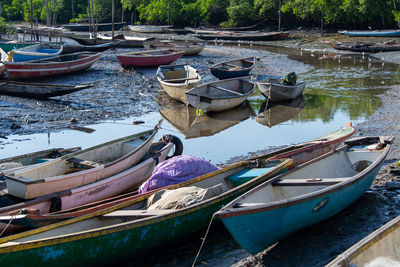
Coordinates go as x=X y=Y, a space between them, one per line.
x=189 y=48
x=146 y=59
x=233 y=68
x=86 y=27
x=91 y=48
x=381 y=246
x=205 y=98
x=35 y=52
x=239 y=36
x=258 y=222
x=7 y=46
x=278 y=92
x=148 y=28
x=38 y=90
x=51 y=66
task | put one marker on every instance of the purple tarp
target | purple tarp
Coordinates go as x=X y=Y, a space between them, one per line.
x=176 y=170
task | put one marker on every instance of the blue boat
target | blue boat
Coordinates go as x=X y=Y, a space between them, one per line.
x=383 y=33
x=233 y=68
x=35 y=52
x=306 y=195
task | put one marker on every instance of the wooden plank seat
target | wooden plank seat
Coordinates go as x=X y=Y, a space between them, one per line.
x=309 y=181
x=233 y=66
x=81 y=163
x=122 y=214
x=180 y=79
x=224 y=89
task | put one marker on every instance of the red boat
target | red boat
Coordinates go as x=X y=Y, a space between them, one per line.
x=148 y=58
x=51 y=66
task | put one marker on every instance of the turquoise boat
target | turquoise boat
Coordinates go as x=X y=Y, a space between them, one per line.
x=129 y=229
x=34 y=52
x=382 y=33
x=306 y=195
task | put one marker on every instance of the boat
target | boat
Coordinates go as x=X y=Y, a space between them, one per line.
x=57 y=65
x=190 y=48
x=364 y=47
x=68 y=49
x=113 y=233
x=148 y=58
x=126 y=41
x=277 y=92
x=177 y=79
x=2 y=69
x=306 y=195
x=85 y=27
x=276 y=113
x=381 y=246
x=220 y=95
x=38 y=90
x=186 y=120
x=80 y=168
x=149 y=28
x=233 y=68
x=377 y=33
x=34 y=52
x=14 y=163
x=7 y=45
x=243 y=36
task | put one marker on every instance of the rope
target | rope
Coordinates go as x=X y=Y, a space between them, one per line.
x=204 y=240
x=11 y=219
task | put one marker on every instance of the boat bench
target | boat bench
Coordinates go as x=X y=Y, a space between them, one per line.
x=130 y=214
x=309 y=181
x=225 y=90
x=81 y=163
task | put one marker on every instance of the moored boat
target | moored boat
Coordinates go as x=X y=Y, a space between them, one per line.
x=38 y=90
x=85 y=27
x=148 y=58
x=377 y=33
x=220 y=95
x=364 y=47
x=91 y=48
x=34 y=52
x=233 y=68
x=177 y=79
x=380 y=248
x=243 y=36
x=306 y=195
x=80 y=168
x=57 y=65
x=189 y=47
x=277 y=92
x=149 y=28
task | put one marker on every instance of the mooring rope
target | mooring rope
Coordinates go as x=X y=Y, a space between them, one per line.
x=9 y=223
x=203 y=240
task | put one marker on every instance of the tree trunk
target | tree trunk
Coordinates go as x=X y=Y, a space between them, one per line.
x=112 y=19
x=72 y=8
x=122 y=15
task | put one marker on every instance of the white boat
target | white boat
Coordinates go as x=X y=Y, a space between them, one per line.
x=177 y=79
x=149 y=28
x=220 y=95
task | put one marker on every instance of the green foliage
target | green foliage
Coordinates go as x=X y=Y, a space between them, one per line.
x=241 y=12
x=7 y=28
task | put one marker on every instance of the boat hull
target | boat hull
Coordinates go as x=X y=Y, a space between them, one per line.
x=38 y=90
x=127 y=60
x=278 y=92
x=86 y=27
x=393 y=33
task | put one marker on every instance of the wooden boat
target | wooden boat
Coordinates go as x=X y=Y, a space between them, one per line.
x=127 y=41
x=149 y=28
x=51 y=66
x=190 y=48
x=364 y=47
x=277 y=92
x=8 y=45
x=244 y=36
x=91 y=48
x=276 y=113
x=80 y=168
x=85 y=27
x=186 y=120
x=380 y=248
x=378 y=33
x=119 y=227
x=34 y=52
x=148 y=58
x=298 y=153
x=177 y=79
x=306 y=195
x=233 y=68
x=220 y=95
x=38 y=90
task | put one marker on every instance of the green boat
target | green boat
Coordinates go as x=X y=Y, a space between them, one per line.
x=7 y=46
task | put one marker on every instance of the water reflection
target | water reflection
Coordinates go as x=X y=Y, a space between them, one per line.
x=271 y=114
x=185 y=119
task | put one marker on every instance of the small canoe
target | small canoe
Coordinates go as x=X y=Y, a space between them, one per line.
x=126 y=41
x=220 y=95
x=380 y=248
x=306 y=195
x=80 y=168
x=85 y=27
x=34 y=52
x=177 y=79
x=277 y=92
x=148 y=58
x=38 y=90
x=149 y=28
x=382 y=33
x=243 y=36
x=364 y=47
x=118 y=228
x=51 y=66
x=190 y=48
x=91 y=48
x=233 y=68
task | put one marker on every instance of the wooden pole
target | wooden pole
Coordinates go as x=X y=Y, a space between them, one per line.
x=122 y=15
x=279 y=16
x=72 y=8
x=112 y=19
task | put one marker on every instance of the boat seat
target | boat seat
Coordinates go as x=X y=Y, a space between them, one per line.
x=180 y=79
x=233 y=66
x=81 y=163
x=309 y=181
x=125 y=214
x=226 y=90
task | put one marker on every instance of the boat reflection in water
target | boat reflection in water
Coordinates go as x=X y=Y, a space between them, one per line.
x=185 y=119
x=271 y=114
